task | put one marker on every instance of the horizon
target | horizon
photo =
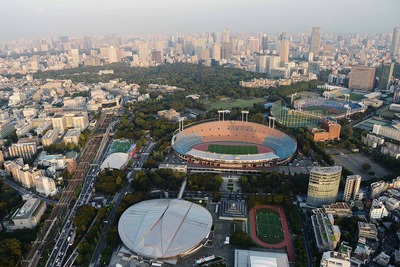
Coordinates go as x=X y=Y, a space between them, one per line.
x=44 y=18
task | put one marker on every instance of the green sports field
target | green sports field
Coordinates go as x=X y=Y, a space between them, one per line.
x=269 y=226
x=232 y=150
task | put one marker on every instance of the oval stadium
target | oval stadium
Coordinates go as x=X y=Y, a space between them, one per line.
x=164 y=229
x=329 y=107
x=233 y=144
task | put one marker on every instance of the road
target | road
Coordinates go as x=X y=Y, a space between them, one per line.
x=24 y=191
x=306 y=241
x=67 y=233
x=137 y=164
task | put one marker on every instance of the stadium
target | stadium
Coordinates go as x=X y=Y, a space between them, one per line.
x=329 y=108
x=232 y=145
x=164 y=229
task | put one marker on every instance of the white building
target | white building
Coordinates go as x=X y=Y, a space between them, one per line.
x=45 y=186
x=372 y=140
x=49 y=138
x=326 y=234
x=29 y=215
x=352 y=187
x=335 y=259
x=387 y=131
x=378 y=210
x=391 y=150
x=72 y=136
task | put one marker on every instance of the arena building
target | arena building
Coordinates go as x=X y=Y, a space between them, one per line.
x=232 y=146
x=164 y=229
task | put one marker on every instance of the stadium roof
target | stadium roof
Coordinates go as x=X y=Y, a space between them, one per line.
x=232 y=158
x=164 y=228
x=115 y=161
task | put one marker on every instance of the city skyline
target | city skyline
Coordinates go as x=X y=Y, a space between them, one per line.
x=25 y=19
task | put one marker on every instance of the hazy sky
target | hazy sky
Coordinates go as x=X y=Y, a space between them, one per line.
x=41 y=18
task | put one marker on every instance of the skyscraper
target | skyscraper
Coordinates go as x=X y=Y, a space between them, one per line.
x=225 y=36
x=386 y=76
x=352 y=187
x=284 y=51
x=394 y=48
x=226 y=51
x=315 y=41
x=254 y=45
x=323 y=185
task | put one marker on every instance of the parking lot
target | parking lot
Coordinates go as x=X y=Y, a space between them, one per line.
x=354 y=161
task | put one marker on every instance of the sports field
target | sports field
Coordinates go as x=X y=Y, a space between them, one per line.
x=326 y=110
x=120 y=145
x=269 y=226
x=232 y=150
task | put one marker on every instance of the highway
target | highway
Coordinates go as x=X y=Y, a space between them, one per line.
x=137 y=164
x=86 y=157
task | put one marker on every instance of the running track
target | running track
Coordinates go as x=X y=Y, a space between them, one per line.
x=286 y=241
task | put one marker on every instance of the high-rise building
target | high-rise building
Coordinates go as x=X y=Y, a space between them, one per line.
x=261 y=63
x=352 y=187
x=216 y=52
x=272 y=63
x=6 y=128
x=362 y=77
x=323 y=185
x=45 y=185
x=75 y=55
x=396 y=96
x=225 y=36
x=144 y=53
x=156 y=56
x=284 y=52
x=315 y=40
x=386 y=76
x=225 y=51
x=254 y=45
x=394 y=48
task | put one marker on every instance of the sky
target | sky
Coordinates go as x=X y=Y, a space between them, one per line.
x=43 y=18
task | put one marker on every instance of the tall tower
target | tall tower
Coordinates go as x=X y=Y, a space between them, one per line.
x=386 y=76
x=284 y=51
x=352 y=187
x=323 y=185
x=315 y=40
x=254 y=45
x=394 y=48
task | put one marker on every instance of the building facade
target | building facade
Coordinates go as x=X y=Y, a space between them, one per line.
x=352 y=187
x=323 y=185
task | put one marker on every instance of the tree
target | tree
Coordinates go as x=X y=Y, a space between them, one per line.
x=10 y=252
x=240 y=238
x=366 y=166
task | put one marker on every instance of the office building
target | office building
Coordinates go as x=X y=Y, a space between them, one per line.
x=387 y=131
x=49 y=138
x=254 y=45
x=284 y=52
x=352 y=187
x=323 y=185
x=261 y=63
x=335 y=259
x=72 y=136
x=367 y=230
x=6 y=128
x=29 y=215
x=326 y=234
x=394 y=48
x=23 y=150
x=339 y=209
x=59 y=123
x=216 y=52
x=362 y=78
x=225 y=51
x=80 y=121
x=156 y=57
x=315 y=41
x=273 y=62
x=75 y=55
x=385 y=78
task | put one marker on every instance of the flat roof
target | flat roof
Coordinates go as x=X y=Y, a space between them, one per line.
x=164 y=228
x=260 y=259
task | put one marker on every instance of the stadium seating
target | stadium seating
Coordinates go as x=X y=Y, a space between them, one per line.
x=234 y=131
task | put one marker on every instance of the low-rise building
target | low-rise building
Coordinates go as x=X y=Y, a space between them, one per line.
x=391 y=149
x=29 y=215
x=72 y=136
x=340 y=209
x=23 y=150
x=334 y=259
x=49 y=138
x=367 y=230
x=378 y=210
x=372 y=140
x=45 y=186
x=326 y=234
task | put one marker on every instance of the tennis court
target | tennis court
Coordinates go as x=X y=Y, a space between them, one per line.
x=269 y=226
x=232 y=150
